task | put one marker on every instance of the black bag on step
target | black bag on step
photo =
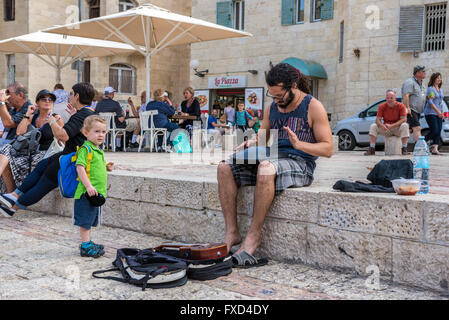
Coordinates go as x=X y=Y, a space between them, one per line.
x=146 y=268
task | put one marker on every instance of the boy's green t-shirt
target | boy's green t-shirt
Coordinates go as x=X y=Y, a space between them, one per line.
x=98 y=172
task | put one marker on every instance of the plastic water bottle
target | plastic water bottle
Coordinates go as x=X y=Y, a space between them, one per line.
x=421 y=164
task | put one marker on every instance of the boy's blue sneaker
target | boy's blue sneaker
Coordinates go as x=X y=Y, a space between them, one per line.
x=91 y=250
x=7 y=212
x=100 y=246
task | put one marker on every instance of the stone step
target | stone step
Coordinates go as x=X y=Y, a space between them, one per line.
x=405 y=238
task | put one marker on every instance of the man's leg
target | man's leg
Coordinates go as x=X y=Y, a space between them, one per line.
x=30 y=181
x=374 y=130
x=35 y=194
x=263 y=198
x=416 y=133
x=227 y=191
x=404 y=134
x=413 y=121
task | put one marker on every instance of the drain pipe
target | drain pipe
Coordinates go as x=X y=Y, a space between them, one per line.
x=80 y=62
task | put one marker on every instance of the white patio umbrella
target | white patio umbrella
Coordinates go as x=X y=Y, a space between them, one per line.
x=59 y=51
x=148 y=29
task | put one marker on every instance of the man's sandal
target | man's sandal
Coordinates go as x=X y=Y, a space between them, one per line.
x=245 y=260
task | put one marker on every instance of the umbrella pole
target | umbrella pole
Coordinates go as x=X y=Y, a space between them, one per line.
x=148 y=76
x=58 y=74
x=58 y=64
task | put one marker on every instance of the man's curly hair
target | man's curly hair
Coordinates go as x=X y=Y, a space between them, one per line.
x=285 y=75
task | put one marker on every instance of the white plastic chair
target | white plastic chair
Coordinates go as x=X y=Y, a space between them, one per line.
x=147 y=126
x=110 y=120
x=204 y=135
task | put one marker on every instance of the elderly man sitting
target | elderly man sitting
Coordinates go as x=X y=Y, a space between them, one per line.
x=394 y=115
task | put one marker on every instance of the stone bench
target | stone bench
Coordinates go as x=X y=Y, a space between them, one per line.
x=406 y=238
x=393 y=146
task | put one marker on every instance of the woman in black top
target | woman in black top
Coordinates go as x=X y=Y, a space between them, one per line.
x=15 y=168
x=44 y=178
x=190 y=107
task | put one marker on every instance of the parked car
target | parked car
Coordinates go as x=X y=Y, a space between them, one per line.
x=354 y=131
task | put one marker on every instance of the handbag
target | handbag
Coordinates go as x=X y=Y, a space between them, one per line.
x=53 y=149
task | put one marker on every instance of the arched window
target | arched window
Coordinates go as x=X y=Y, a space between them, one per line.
x=124 y=5
x=122 y=77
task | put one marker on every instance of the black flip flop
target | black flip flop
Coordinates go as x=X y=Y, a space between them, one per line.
x=245 y=260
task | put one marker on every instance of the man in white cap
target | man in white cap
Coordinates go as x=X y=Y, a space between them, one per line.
x=108 y=104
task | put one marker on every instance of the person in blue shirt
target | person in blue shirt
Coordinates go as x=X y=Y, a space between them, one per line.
x=164 y=111
x=433 y=111
x=241 y=118
x=214 y=128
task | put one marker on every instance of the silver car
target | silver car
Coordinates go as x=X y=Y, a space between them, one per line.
x=354 y=131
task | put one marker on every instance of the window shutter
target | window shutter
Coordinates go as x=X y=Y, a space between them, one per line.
x=9 y=10
x=288 y=12
x=86 y=71
x=224 y=13
x=411 y=28
x=327 y=9
x=113 y=79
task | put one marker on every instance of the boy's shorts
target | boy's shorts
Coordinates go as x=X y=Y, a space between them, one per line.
x=85 y=215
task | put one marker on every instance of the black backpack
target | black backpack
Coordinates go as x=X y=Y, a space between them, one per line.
x=146 y=268
x=387 y=170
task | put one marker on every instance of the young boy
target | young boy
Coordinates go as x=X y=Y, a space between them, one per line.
x=241 y=118
x=93 y=182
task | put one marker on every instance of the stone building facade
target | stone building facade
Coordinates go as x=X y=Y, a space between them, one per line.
x=170 y=67
x=356 y=42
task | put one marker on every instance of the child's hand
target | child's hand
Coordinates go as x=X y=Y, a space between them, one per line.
x=91 y=191
x=110 y=166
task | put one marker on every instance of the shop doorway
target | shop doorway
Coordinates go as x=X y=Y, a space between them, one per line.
x=223 y=97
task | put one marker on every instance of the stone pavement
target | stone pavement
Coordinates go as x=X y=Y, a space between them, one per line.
x=39 y=259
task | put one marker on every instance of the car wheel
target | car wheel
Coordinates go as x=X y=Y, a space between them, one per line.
x=346 y=141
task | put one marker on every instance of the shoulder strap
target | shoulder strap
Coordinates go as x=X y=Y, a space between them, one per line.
x=89 y=158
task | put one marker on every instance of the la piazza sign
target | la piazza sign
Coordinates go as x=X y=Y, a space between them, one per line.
x=228 y=82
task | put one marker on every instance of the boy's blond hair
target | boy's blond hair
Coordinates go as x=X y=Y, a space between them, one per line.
x=90 y=120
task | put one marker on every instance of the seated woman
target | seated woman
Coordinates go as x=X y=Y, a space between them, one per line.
x=164 y=111
x=190 y=107
x=14 y=169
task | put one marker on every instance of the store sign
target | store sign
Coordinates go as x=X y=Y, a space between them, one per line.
x=228 y=82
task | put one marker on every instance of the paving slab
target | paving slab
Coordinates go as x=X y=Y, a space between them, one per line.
x=39 y=259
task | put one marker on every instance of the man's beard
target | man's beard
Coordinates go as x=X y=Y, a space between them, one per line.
x=287 y=102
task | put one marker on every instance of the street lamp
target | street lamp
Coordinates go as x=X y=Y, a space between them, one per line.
x=194 y=64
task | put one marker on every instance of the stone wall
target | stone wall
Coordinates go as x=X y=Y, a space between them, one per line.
x=406 y=239
x=352 y=84
x=169 y=68
x=11 y=29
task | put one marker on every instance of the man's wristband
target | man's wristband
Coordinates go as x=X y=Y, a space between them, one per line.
x=2 y=104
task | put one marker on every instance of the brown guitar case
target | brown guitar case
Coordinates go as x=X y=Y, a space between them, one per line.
x=204 y=261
